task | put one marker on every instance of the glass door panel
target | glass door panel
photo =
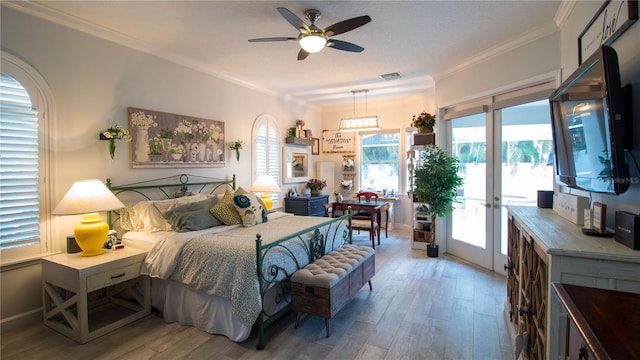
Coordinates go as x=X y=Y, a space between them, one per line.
x=526 y=161
x=469 y=219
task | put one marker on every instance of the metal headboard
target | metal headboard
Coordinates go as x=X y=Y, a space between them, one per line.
x=168 y=188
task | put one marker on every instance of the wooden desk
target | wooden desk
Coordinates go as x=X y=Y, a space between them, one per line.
x=603 y=323
x=377 y=206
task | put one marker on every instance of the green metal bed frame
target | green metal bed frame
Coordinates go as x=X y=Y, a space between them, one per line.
x=332 y=235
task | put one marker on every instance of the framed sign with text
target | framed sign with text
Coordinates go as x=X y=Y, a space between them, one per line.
x=611 y=20
x=338 y=141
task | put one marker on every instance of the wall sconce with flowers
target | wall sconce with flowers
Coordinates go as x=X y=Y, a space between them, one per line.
x=236 y=145
x=113 y=133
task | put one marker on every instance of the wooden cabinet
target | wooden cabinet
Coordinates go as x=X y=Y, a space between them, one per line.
x=306 y=205
x=601 y=324
x=544 y=248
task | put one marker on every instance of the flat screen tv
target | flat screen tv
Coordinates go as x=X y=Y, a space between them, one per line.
x=589 y=119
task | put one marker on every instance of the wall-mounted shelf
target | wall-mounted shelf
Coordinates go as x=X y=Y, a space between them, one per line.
x=424 y=139
x=298 y=141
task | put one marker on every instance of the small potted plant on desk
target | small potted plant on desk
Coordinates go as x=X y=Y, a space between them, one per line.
x=436 y=181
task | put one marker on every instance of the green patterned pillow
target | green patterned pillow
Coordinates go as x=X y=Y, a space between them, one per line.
x=250 y=208
x=225 y=209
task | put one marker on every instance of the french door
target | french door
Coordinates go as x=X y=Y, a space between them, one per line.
x=504 y=159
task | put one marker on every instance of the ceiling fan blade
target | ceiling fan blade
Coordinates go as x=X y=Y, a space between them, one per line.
x=347 y=25
x=344 y=45
x=293 y=19
x=272 y=39
x=302 y=54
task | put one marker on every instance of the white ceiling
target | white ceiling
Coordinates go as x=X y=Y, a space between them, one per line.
x=418 y=39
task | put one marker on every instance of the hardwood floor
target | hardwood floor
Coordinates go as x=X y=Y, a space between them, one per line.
x=420 y=308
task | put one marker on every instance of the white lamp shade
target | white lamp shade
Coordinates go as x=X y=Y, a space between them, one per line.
x=360 y=123
x=312 y=43
x=87 y=196
x=265 y=184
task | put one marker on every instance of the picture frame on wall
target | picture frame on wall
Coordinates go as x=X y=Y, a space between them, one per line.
x=315 y=148
x=609 y=22
x=164 y=140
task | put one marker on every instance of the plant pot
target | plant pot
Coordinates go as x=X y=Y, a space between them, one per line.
x=316 y=192
x=432 y=250
x=425 y=129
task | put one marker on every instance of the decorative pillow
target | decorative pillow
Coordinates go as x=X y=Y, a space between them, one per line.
x=250 y=209
x=148 y=214
x=225 y=210
x=193 y=216
x=128 y=219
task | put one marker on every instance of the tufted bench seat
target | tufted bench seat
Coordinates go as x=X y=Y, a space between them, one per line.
x=325 y=286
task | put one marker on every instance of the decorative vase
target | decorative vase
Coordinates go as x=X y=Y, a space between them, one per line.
x=202 y=152
x=316 y=192
x=176 y=156
x=155 y=157
x=112 y=147
x=142 y=144
x=237 y=154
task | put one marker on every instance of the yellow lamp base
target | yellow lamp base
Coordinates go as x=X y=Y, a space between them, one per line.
x=91 y=234
x=266 y=199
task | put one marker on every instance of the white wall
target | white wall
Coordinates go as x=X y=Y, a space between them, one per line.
x=628 y=48
x=93 y=81
x=395 y=114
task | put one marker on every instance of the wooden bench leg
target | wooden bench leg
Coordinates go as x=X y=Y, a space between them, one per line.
x=327 y=326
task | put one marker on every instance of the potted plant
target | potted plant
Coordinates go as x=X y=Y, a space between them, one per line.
x=424 y=122
x=316 y=186
x=436 y=181
x=155 y=149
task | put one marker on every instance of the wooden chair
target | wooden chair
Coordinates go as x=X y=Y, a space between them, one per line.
x=367 y=195
x=364 y=223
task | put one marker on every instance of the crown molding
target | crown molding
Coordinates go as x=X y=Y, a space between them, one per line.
x=40 y=10
x=565 y=9
x=500 y=49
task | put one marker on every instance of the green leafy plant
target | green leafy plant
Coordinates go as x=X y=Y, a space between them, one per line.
x=436 y=180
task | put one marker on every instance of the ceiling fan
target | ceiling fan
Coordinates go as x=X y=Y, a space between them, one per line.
x=313 y=39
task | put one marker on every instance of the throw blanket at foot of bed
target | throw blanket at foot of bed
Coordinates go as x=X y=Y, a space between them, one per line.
x=324 y=287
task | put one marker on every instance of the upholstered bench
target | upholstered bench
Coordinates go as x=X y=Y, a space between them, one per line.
x=325 y=286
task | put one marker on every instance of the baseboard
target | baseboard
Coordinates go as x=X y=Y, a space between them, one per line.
x=23 y=320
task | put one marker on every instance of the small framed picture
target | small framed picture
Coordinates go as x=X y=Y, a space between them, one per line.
x=315 y=149
x=600 y=217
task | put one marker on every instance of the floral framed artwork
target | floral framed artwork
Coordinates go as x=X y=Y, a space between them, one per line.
x=164 y=140
x=295 y=164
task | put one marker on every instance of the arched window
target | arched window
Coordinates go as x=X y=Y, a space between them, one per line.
x=266 y=149
x=23 y=168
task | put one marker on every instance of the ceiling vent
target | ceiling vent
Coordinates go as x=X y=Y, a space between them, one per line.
x=390 y=76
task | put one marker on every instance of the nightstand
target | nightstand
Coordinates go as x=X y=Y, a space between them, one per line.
x=306 y=205
x=87 y=297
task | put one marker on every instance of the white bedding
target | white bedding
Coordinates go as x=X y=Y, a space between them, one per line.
x=199 y=307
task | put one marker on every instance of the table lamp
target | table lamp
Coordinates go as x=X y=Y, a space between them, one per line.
x=88 y=197
x=265 y=185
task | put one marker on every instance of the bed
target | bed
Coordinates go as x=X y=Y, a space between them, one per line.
x=219 y=276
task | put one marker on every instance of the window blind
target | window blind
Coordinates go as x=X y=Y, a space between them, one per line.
x=19 y=167
x=267 y=151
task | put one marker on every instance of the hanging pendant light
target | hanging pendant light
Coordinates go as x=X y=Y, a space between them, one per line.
x=360 y=123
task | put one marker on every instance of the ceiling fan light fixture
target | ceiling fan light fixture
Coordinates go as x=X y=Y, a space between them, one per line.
x=312 y=43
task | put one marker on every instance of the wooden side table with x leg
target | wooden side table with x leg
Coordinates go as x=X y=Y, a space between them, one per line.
x=87 y=297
